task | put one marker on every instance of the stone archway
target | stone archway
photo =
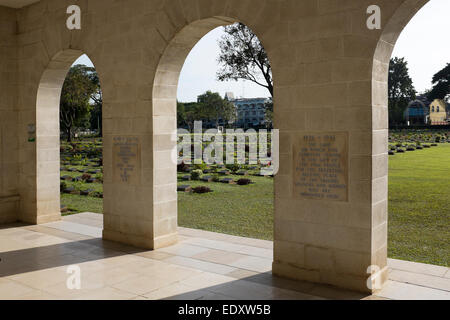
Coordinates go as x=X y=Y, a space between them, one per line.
x=380 y=124
x=48 y=136
x=164 y=125
x=331 y=77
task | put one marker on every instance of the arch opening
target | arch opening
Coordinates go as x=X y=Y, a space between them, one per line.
x=165 y=126
x=59 y=163
x=404 y=149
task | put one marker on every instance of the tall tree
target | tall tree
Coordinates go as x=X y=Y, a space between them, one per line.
x=441 y=85
x=401 y=89
x=181 y=114
x=216 y=108
x=77 y=91
x=243 y=57
x=97 y=98
x=193 y=112
x=269 y=114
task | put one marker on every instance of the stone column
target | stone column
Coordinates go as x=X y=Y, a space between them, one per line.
x=9 y=143
x=331 y=191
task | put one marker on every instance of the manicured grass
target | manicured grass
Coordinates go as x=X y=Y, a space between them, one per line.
x=77 y=204
x=419 y=209
x=81 y=185
x=232 y=209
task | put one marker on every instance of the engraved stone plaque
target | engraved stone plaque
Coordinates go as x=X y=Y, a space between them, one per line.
x=126 y=159
x=321 y=166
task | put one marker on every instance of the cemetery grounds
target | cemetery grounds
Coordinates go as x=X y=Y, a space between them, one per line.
x=237 y=200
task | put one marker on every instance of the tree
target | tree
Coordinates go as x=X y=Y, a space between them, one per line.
x=193 y=112
x=269 y=114
x=243 y=57
x=441 y=85
x=77 y=91
x=216 y=108
x=401 y=89
x=181 y=114
x=97 y=98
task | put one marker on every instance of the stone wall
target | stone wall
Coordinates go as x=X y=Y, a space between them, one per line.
x=9 y=144
x=330 y=74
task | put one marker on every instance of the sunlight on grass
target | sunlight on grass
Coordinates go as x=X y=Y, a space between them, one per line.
x=419 y=210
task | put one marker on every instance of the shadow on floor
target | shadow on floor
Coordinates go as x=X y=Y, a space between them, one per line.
x=261 y=286
x=57 y=255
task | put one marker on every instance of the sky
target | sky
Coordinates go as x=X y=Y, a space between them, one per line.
x=424 y=43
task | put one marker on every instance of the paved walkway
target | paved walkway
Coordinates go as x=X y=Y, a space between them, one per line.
x=204 y=265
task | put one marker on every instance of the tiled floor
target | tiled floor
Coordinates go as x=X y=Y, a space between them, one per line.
x=204 y=265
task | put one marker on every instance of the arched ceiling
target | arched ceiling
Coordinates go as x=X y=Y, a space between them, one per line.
x=16 y=3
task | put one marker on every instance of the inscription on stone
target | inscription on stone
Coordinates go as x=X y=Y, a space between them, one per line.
x=321 y=166
x=126 y=159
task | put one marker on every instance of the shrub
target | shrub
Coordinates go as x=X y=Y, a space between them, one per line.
x=201 y=189
x=202 y=166
x=97 y=195
x=86 y=176
x=233 y=167
x=216 y=178
x=182 y=167
x=99 y=177
x=244 y=182
x=195 y=174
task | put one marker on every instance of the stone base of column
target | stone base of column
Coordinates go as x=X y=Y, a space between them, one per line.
x=165 y=241
x=41 y=219
x=9 y=209
x=139 y=241
x=345 y=281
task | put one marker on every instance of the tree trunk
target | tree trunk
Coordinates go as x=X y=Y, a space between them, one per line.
x=69 y=134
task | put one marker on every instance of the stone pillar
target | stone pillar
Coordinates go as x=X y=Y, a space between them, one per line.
x=139 y=190
x=9 y=148
x=47 y=143
x=331 y=191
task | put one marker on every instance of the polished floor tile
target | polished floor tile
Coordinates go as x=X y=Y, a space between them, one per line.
x=35 y=261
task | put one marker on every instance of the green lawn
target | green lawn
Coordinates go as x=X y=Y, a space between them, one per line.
x=419 y=209
x=77 y=204
x=232 y=209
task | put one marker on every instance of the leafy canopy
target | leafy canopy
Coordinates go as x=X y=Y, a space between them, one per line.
x=401 y=90
x=80 y=86
x=441 y=85
x=243 y=57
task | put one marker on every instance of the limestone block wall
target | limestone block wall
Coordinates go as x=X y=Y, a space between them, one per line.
x=9 y=148
x=330 y=76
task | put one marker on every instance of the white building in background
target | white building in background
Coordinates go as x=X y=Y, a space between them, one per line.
x=250 y=112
